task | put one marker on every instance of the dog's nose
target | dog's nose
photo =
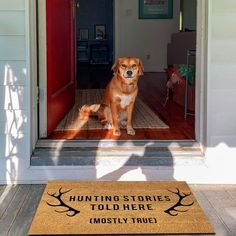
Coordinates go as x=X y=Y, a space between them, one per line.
x=129 y=73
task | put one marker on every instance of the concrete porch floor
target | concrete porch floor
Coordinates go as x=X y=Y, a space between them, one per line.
x=18 y=204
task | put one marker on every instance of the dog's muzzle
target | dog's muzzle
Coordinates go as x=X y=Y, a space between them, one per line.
x=129 y=74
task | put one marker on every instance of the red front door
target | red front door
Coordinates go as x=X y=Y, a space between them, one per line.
x=61 y=84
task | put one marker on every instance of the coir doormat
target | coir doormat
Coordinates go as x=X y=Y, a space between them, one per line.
x=75 y=208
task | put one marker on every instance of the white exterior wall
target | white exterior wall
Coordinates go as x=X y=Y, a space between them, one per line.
x=143 y=37
x=14 y=107
x=221 y=76
x=221 y=86
x=17 y=72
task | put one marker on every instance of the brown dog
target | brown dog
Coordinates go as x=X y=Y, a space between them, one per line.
x=119 y=97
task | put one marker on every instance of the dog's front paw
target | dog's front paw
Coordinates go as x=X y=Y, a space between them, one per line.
x=130 y=131
x=116 y=132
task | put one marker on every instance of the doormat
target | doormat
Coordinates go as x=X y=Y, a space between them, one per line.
x=143 y=116
x=85 y=208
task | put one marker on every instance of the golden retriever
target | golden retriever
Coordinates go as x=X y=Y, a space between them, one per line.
x=116 y=108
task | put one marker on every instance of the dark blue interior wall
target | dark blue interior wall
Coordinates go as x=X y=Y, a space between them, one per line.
x=95 y=12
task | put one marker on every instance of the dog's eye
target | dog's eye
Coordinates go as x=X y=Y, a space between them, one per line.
x=123 y=66
x=134 y=66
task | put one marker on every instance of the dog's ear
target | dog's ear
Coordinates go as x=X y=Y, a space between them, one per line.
x=115 y=66
x=141 y=69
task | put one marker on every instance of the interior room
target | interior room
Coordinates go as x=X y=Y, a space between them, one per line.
x=166 y=44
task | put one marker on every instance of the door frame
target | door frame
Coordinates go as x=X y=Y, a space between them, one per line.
x=201 y=70
x=42 y=67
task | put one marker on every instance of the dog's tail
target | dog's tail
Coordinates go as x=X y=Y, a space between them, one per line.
x=86 y=111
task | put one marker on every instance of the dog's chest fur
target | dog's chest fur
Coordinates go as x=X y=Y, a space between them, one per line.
x=125 y=100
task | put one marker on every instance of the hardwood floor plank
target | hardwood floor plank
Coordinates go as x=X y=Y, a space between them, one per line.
x=232 y=191
x=224 y=206
x=24 y=218
x=8 y=193
x=214 y=217
x=12 y=210
x=141 y=134
x=2 y=188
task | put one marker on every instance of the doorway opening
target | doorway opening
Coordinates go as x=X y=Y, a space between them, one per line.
x=94 y=44
x=160 y=43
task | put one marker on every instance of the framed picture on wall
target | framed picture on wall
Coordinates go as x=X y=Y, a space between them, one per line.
x=155 y=9
x=83 y=34
x=100 y=31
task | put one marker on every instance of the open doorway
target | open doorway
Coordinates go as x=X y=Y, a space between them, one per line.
x=149 y=40
x=94 y=47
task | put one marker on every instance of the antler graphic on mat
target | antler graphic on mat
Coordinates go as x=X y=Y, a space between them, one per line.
x=71 y=211
x=172 y=210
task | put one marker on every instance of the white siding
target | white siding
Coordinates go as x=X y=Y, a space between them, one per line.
x=11 y=145
x=13 y=122
x=13 y=75
x=12 y=98
x=12 y=5
x=15 y=25
x=12 y=47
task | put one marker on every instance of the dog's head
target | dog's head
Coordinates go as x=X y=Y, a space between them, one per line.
x=128 y=67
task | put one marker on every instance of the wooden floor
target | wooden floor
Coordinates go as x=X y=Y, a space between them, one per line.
x=18 y=204
x=152 y=90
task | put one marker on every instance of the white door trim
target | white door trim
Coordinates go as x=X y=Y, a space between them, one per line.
x=201 y=72
x=31 y=61
x=42 y=44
